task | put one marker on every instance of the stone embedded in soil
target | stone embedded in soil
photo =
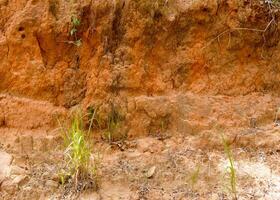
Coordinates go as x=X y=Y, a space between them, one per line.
x=8 y=186
x=90 y=196
x=11 y=184
x=20 y=180
x=133 y=154
x=149 y=144
x=21 y=160
x=16 y=170
x=47 y=143
x=151 y=172
x=26 y=144
x=5 y=162
x=51 y=184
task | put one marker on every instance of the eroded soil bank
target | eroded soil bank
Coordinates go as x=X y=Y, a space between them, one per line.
x=176 y=73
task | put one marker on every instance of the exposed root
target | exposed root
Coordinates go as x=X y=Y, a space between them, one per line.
x=240 y=29
x=271 y=8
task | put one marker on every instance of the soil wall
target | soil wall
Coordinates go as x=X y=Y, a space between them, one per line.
x=178 y=65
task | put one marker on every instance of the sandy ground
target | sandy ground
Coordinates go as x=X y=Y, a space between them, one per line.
x=148 y=168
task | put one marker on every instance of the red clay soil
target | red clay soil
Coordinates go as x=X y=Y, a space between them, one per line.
x=139 y=53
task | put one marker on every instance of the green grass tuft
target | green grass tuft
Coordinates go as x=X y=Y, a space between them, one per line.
x=230 y=169
x=194 y=176
x=114 y=131
x=78 y=151
x=79 y=168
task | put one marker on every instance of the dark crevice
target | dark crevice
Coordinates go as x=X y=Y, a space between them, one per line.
x=117 y=29
x=42 y=51
x=20 y=29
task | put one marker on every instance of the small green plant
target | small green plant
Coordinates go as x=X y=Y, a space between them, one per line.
x=276 y=120
x=113 y=132
x=164 y=122
x=63 y=177
x=73 y=32
x=79 y=167
x=230 y=169
x=113 y=124
x=194 y=176
x=78 y=151
x=94 y=118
